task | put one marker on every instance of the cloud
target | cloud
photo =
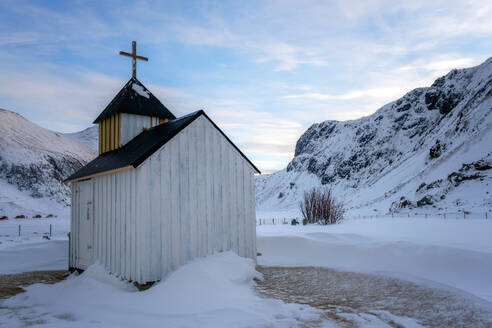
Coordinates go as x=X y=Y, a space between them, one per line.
x=288 y=57
x=375 y=92
x=264 y=71
x=269 y=166
x=440 y=65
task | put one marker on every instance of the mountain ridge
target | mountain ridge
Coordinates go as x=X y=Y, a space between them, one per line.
x=33 y=163
x=420 y=131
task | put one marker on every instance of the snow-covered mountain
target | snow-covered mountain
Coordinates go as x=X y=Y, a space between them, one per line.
x=88 y=137
x=430 y=149
x=33 y=163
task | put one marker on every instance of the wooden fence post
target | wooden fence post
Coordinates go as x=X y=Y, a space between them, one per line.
x=19 y=229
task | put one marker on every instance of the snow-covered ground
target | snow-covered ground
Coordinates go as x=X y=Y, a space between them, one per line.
x=452 y=256
x=30 y=251
x=211 y=292
x=453 y=253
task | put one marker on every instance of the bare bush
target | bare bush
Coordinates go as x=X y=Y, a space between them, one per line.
x=320 y=206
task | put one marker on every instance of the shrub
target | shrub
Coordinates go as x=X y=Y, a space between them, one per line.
x=320 y=206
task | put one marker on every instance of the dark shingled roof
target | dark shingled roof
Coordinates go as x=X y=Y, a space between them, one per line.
x=142 y=146
x=134 y=98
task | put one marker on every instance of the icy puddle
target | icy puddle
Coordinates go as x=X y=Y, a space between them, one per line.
x=363 y=300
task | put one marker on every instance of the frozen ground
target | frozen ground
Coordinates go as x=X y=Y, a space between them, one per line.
x=454 y=253
x=362 y=273
x=211 y=292
x=366 y=300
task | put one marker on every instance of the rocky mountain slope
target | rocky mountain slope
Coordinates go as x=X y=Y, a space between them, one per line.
x=430 y=149
x=33 y=163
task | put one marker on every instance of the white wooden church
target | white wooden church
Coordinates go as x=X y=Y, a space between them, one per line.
x=163 y=191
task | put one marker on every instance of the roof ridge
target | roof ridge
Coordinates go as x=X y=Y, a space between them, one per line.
x=129 y=101
x=137 y=150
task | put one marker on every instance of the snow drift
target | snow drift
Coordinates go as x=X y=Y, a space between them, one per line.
x=452 y=253
x=209 y=292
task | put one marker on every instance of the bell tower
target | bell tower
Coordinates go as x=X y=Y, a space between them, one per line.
x=133 y=110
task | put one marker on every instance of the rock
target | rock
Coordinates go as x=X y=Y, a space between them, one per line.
x=421 y=186
x=482 y=165
x=426 y=200
x=401 y=204
x=436 y=150
x=457 y=178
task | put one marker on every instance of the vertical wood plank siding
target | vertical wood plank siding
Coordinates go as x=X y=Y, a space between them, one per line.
x=117 y=130
x=110 y=133
x=191 y=198
x=132 y=125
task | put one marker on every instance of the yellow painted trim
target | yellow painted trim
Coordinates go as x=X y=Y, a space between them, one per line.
x=120 y=169
x=100 y=139
x=119 y=130
x=107 y=123
x=112 y=133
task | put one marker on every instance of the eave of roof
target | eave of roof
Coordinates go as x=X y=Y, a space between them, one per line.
x=130 y=101
x=137 y=150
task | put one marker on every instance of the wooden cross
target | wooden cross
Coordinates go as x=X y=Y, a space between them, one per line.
x=134 y=57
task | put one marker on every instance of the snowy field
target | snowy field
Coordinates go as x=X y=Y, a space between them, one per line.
x=454 y=253
x=29 y=251
x=445 y=259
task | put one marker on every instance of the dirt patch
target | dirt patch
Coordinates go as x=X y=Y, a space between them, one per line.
x=351 y=298
x=11 y=284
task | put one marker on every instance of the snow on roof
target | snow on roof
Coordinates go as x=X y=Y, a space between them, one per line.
x=135 y=98
x=140 y=90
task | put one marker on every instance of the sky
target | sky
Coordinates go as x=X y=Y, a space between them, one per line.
x=264 y=71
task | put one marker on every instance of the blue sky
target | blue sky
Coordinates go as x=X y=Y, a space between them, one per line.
x=263 y=70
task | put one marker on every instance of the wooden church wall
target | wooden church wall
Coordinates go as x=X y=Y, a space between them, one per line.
x=201 y=199
x=117 y=130
x=193 y=197
x=132 y=125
